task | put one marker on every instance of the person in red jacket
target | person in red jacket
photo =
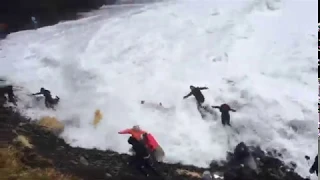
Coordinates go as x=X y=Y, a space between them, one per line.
x=155 y=149
x=225 y=116
x=135 y=132
x=148 y=139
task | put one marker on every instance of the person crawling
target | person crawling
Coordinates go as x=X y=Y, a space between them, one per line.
x=48 y=101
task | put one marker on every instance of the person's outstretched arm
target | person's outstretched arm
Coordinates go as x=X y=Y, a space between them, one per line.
x=217 y=107
x=126 y=131
x=233 y=110
x=37 y=93
x=202 y=88
x=186 y=96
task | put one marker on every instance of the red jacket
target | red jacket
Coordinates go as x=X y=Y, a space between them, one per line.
x=151 y=142
x=135 y=134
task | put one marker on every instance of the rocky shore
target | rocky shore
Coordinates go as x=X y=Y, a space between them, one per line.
x=42 y=149
x=16 y=15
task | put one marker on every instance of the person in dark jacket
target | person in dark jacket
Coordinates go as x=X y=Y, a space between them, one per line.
x=9 y=91
x=196 y=92
x=225 y=116
x=141 y=159
x=49 y=101
x=314 y=167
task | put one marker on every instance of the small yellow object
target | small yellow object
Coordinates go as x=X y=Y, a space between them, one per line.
x=97 y=117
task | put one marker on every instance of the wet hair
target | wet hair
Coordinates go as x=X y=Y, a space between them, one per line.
x=136 y=128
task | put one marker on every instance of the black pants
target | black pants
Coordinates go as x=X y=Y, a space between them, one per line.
x=50 y=102
x=225 y=119
x=200 y=108
x=143 y=165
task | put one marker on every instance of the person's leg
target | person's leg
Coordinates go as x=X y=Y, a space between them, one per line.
x=228 y=119
x=201 y=109
x=140 y=165
x=223 y=121
x=51 y=102
x=46 y=102
x=148 y=165
x=228 y=122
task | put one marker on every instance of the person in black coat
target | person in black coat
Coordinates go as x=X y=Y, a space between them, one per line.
x=141 y=158
x=49 y=101
x=225 y=116
x=314 y=167
x=196 y=92
x=9 y=91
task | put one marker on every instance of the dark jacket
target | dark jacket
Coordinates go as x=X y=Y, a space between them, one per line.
x=314 y=167
x=224 y=108
x=196 y=92
x=46 y=93
x=9 y=91
x=139 y=148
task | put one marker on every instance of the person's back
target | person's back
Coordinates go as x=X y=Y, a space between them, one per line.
x=196 y=92
x=150 y=141
x=225 y=115
x=135 y=131
x=47 y=94
x=224 y=108
x=156 y=150
x=139 y=148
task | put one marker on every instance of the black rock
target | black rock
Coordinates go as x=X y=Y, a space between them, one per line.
x=17 y=14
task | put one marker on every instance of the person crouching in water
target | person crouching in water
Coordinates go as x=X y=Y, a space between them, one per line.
x=225 y=116
x=48 y=101
x=141 y=158
x=314 y=167
x=146 y=138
